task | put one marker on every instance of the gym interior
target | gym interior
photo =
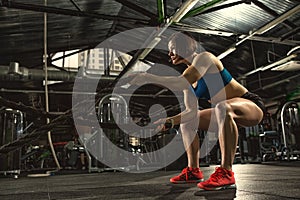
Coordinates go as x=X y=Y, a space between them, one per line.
x=71 y=127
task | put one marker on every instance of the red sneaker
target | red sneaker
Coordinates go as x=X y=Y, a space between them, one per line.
x=188 y=175
x=221 y=179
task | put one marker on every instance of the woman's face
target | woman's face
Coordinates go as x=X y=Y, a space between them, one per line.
x=175 y=58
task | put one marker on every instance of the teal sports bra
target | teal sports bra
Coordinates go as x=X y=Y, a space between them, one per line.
x=210 y=84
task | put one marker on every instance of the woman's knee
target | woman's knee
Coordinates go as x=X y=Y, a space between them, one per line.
x=189 y=126
x=224 y=109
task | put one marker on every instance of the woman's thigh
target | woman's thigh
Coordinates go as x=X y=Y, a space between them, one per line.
x=207 y=119
x=244 y=112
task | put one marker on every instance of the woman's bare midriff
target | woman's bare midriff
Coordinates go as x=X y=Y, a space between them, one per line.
x=231 y=90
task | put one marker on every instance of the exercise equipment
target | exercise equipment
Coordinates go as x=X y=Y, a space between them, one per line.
x=112 y=110
x=290 y=124
x=283 y=143
x=248 y=149
x=113 y=117
x=11 y=128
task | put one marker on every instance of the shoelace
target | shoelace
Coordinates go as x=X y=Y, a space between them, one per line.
x=184 y=173
x=185 y=170
x=219 y=173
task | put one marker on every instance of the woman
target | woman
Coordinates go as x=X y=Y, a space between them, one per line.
x=232 y=106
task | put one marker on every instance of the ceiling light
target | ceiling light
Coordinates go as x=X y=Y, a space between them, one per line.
x=212 y=32
x=292 y=50
x=292 y=65
x=279 y=62
x=263 y=68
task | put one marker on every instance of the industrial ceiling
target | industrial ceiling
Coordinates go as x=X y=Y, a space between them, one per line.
x=245 y=25
x=248 y=35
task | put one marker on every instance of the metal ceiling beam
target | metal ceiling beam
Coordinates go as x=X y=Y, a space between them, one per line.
x=261 y=30
x=137 y=8
x=290 y=33
x=161 y=10
x=50 y=60
x=154 y=38
x=278 y=20
x=70 y=54
x=273 y=13
x=221 y=7
x=283 y=81
x=120 y=59
x=75 y=4
x=275 y=40
x=61 y=49
x=272 y=65
x=180 y=14
x=197 y=29
x=189 y=28
x=62 y=11
x=202 y=8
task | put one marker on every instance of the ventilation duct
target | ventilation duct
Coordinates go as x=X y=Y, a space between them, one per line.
x=14 y=72
x=14 y=69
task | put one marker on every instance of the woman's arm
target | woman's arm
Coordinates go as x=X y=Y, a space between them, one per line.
x=173 y=83
x=193 y=73
x=190 y=112
x=191 y=108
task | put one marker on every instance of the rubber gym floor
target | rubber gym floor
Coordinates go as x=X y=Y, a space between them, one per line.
x=278 y=180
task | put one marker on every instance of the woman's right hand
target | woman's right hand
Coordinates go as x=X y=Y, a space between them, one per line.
x=138 y=78
x=163 y=124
